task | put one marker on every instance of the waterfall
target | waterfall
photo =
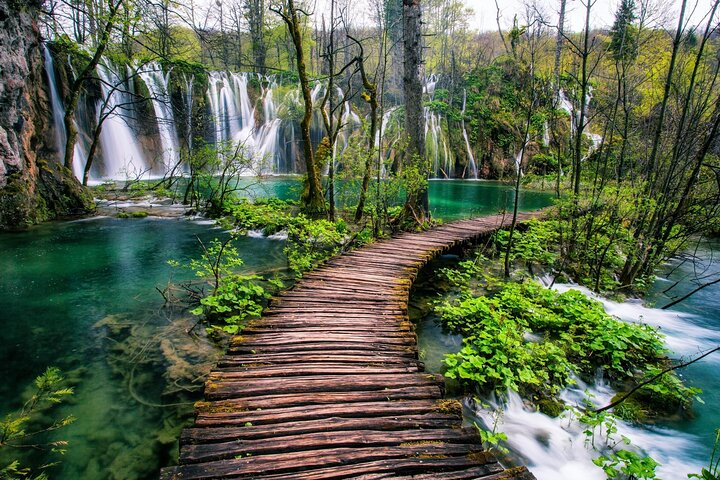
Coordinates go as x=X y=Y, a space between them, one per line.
x=435 y=143
x=157 y=84
x=234 y=118
x=546 y=134
x=122 y=155
x=58 y=110
x=471 y=158
x=58 y=114
x=188 y=104
x=566 y=105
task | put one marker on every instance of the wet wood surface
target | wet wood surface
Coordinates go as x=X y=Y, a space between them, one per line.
x=328 y=385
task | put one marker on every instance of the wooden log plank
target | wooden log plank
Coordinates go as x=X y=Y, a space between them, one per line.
x=333 y=424
x=288 y=360
x=348 y=356
x=485 y=472
x=230 y=417
x=196 y=453
x=305 y=370
x=391 y=469
x=249 y=467
x=266 y=402
x=411 y=350
x=292 y=338
x=220 y=387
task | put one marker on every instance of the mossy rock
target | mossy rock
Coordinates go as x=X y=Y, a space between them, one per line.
x=551 y=407
x=54 y=193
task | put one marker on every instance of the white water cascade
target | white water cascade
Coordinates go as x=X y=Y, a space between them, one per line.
x=234 y=118
x=122 y=155
x=157 y=84
x=58 y=113
x=565 y=104
x=436 y=147
x=546 y=134
x=556 y=449
x=188 y=104
x=471 y=158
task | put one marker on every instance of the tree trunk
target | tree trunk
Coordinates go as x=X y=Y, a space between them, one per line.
x=312 y=198
x=371 y=97
x=77 y=85
x=417 y=201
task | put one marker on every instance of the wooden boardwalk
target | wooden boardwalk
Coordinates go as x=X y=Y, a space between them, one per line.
x=327 y=384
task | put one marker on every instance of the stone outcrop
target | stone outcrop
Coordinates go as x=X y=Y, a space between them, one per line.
x=33 y=186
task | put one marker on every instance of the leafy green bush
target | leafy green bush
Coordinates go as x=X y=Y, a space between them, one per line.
x=233 y=297
x=530 y=339
x=310 y=242
x=270 y=215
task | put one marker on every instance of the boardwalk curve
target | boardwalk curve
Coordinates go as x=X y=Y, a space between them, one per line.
x=327 y=384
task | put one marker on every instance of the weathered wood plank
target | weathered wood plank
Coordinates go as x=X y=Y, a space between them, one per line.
x=229 y=417
x=221 y=387
x=249 y=467
x=196 y=453
x=265 y=402
x=392 y=468
x=333 y=424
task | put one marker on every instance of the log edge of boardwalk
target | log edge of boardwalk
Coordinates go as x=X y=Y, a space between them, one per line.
x=327 y=383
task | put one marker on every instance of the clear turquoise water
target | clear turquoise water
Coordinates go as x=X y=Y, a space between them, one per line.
x=449 y=199
x=696 y=329
x=81 y=296
x=58 y=281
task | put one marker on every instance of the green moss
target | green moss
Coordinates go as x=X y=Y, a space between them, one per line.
x=551 y=407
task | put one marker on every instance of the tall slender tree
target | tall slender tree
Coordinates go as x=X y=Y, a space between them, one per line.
x=417 y=204
x=312 y=197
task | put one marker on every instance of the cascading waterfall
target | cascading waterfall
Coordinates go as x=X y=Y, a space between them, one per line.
x=121 y=152
x=471 y=158
x=157 y=84
x=519 y=156
x=58 y=113
x=435 y=144
x=555 y=448
x=268 y=137
x=188 y=104
x=567 y=106
x=234 y=117
x=546 y=134
x=58 y=110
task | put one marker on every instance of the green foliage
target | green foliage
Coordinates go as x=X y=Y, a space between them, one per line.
x=236 y=298
x=311 y=242
x=14 y=428
x=626 y=464
x=536 y=244
x=527 y=338
x=492 y=439
x=269 y=215
x=233 y=297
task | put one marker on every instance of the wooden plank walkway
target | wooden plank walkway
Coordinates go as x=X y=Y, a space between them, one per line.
x=327 y=384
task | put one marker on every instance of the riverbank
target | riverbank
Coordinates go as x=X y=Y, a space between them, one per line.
x=557 y=448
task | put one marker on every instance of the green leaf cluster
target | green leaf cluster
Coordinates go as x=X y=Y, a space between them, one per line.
x=311 y=242
x=269 y=215
x=530 y=339
x=15 y=429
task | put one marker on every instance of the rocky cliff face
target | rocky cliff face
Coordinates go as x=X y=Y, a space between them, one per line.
x=33 y=186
